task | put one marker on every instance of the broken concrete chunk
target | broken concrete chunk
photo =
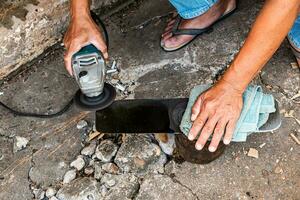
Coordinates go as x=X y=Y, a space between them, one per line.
x=88 y=170
x=38 y=193
x=50 y=192
x=125 y=186
x=69 y=176
x=138 y=154
x=253 y=153
x=106 y=150
x=110 y=168
x=19 y=143
x=151 y=188
x=81 y=124
x=98 y=171
x=89 y=150
x=79 y=163
x=80 y=189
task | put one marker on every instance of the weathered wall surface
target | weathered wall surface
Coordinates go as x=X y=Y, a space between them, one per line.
x=28 y=27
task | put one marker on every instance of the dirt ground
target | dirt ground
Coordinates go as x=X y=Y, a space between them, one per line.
x=148 y=72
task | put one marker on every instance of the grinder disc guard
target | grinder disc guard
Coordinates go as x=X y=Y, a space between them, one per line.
x=102 y=101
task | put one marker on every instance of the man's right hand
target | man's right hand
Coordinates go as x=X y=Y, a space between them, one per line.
x=82 y=31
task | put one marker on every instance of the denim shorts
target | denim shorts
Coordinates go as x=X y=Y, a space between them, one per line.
x=294 y=34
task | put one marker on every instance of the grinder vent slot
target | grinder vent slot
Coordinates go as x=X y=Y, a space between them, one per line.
x=88 y=62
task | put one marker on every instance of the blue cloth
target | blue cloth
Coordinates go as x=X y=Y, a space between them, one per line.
x=294 y=34
x=255 y=112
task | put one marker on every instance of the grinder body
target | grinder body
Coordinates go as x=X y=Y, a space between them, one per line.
x=89 y=70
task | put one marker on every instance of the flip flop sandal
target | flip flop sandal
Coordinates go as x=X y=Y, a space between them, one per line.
x=194 y=32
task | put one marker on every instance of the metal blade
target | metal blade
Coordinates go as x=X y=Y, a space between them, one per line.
x=142 y=116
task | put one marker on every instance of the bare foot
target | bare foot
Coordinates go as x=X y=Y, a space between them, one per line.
x=202 y=21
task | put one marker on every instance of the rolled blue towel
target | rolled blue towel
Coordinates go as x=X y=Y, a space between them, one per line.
x=255 y=112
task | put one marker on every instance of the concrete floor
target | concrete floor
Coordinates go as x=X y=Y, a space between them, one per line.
x=54 y=143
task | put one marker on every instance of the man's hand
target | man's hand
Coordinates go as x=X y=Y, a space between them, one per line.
x=216 y=112
x=81 y=32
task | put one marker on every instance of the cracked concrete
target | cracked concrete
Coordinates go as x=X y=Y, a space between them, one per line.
x=151 y=73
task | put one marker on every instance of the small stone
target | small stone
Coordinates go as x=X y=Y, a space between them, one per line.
x=88 y=170
x=20 y=143
x=110 y=168
x=262 y=145
x=50 y=192
x=108 y=180
x=278 y=170
x=98 y=171
x=38 y=193
x=81 y=124
x=79 y=163
x=69 y=176
x=53 y=198
x=294 y=65
x=1 y=157
x=103 y=190
x=106 y=150
x=89 y=150
x=253 y=153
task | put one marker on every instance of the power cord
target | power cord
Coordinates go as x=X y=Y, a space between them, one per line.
x=69 y=104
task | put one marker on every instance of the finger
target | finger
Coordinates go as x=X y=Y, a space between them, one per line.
x=68 y=57
x=229 y=131
x=197 y=126
x=196 y=108
x=206 y=132
x=100 y=44
x=218 y=133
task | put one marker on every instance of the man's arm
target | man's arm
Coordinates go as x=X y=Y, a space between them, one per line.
x=81 y=32
x=217 y=110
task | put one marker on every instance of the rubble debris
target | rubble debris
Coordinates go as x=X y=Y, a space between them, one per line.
x=38 y=193
x=69 y=176
x=110 y=168
x=98 y=172
x=93 y=135
x=166 y=142
x=50 y=192
x=138 y=154
x=81 y=124
x=262 y=145
x=108 y=180
x=123 y=186
x=278 y=170
x=19 y=143
x=106 y=150
x=89 y=170
x=88 y=187
x=253 y=153
x=120 y=87
x=53 y=198
x=79 y=163
x=89 y=150
x=295 y=138
x=294 y=65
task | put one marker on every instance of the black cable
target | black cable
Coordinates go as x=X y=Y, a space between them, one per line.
x=69 y=104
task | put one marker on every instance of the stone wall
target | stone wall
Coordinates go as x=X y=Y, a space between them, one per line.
x=28 y=27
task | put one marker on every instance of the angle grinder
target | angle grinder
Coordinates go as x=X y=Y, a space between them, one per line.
x=89 y=69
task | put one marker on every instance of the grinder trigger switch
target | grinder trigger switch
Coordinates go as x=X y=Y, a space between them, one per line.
x=89 y=69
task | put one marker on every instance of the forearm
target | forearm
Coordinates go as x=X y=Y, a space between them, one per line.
x=269 y=30
x=79 y=8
